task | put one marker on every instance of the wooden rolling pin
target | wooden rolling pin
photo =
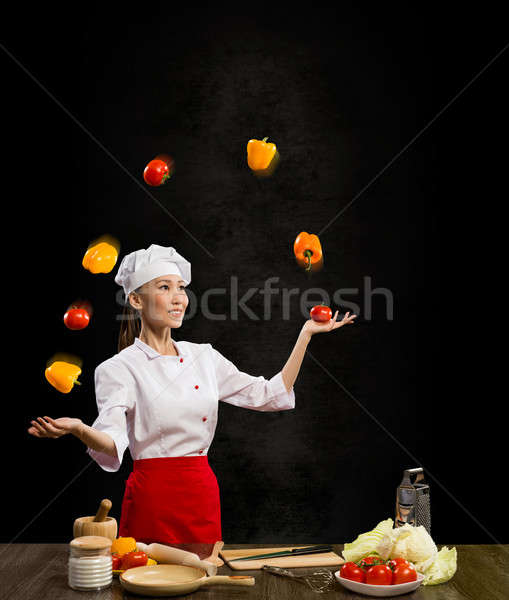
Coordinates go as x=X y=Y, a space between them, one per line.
x=168 y=555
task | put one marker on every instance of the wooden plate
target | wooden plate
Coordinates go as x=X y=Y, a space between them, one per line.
x=174 y=580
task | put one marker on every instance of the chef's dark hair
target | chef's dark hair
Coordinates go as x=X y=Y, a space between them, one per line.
x=130 y=326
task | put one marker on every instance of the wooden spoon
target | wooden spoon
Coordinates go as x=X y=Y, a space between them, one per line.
x=214 y=558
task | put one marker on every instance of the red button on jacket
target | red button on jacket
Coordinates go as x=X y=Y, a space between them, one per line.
x=200 y=452
x=196 y=387
x=181 y=360
x=204 y=418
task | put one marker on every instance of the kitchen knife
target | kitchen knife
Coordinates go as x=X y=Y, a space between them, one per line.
x=294 y=552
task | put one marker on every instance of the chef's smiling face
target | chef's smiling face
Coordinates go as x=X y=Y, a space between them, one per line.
x=162 y=301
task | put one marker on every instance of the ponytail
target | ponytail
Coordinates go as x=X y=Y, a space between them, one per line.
x=129 y=327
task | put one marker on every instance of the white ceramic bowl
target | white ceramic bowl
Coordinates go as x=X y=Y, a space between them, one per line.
x=380 y=591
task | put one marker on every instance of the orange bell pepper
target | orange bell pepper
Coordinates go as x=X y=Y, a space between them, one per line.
x=100 y=258
x=260 y=154
x=307 y=250
x=123 y=545
x=63 y=375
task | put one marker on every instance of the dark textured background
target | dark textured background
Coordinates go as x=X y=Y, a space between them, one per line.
x=341 y=94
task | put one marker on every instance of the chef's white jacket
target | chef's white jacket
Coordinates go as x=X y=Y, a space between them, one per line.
x=162 y=406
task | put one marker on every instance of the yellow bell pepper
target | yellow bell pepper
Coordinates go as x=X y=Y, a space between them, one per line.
x=260 y=154
x=100 y=258
x=123 y=545
x=63 y=375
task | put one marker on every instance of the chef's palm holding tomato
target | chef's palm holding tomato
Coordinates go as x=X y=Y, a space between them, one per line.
x=319 y=322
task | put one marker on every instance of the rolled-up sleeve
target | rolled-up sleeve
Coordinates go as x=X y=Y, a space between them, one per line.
x=114 y=396
x=247 y=391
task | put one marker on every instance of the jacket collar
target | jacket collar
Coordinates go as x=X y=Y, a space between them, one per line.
x=151 y=353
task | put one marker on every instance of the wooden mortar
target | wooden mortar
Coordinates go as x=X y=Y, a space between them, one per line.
x=100 y=524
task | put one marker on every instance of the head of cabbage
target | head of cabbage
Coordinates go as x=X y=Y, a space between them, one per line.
x=412 y=543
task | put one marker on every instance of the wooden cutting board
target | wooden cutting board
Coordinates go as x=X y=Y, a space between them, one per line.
x=323 y=559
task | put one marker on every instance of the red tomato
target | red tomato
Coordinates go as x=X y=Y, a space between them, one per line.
x=156 y=172
x=394 y=562
x=321 y=313
x=116 y=562
x=351 y=571
x=379 y=575
x=369 y=561
x=76 y=318
x=134 y=559
x=404 y=574
x=168 y=160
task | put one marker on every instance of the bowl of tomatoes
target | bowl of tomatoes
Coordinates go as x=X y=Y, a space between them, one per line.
x=374 y=576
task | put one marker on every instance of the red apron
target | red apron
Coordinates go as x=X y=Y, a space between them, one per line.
x=171 y=500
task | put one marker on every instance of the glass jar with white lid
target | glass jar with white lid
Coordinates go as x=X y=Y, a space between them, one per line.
x=90 y=564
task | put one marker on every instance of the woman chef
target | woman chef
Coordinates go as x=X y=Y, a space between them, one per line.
x=160 y=397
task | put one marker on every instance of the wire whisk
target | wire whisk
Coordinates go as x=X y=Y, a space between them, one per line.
x=319 y=581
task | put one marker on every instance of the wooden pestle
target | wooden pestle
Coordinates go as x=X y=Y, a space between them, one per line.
x=99 y=524
x=102 y=511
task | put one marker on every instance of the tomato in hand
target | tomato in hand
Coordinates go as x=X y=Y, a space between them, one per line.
x=379 y=575
x=76 y=318
x=134 y=559
x=321 y=313
x=353 y=572
x=156 y=172
x=404 y=574
x=116 y=562
x=395 y=562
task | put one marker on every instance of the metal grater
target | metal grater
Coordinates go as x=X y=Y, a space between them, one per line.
x=412 y=500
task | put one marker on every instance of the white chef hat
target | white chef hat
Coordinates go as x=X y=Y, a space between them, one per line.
x=144 y=265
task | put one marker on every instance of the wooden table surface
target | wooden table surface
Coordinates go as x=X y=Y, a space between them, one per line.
x=39 y=571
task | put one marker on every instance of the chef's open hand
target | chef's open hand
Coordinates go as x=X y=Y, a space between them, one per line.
x=54 y=428
x=313 y=327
